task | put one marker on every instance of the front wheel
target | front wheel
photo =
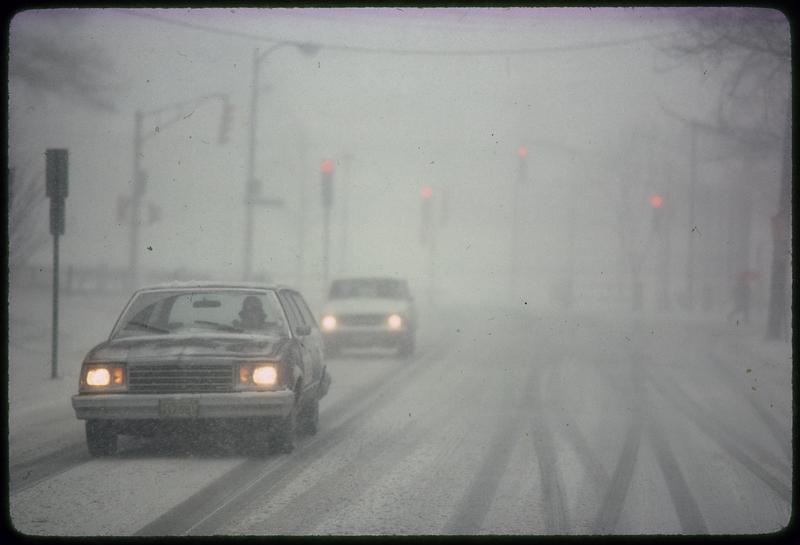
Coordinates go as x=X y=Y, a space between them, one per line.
x=101 y=438
x=283 y=434
x=309 y=418
x=406 y=348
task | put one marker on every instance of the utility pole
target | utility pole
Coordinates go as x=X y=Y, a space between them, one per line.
x=345 y=219
x=327 y=203
x=692 y=231
x=522 y=153
x=427 y=236
x=139 y=181
x=137 y=192
x=301 y=216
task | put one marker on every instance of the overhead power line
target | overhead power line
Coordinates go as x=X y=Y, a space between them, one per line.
x=393 y=51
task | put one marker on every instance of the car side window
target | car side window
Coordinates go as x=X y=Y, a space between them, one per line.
x=305 y=312
x=291 y=311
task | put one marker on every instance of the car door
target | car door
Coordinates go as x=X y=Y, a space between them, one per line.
x=303 y=342
x=313 y=341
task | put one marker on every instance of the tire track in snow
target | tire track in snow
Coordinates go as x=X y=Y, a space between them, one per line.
x=26 y=474
x=689 y=513
x=553 y=494
x=772 y=423
x=233 y=492
x=583 y=450
x=362 y=469
x=474 y=506
x=611 y=507
x=723 y=436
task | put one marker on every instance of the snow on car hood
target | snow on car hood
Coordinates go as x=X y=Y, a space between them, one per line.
x=184 y=346
x=365 y=306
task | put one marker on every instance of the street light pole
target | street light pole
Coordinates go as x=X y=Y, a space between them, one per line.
x=137 y=191
x=250 y=184
x=252 y=187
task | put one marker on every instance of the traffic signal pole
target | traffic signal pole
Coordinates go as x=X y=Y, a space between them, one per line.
x=137 y=191
x=56 y=188
x=326 y=170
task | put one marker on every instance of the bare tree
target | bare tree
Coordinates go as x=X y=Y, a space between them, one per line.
x=26 y=234
x=59 y=64
x=751 y=48
x=54 y=64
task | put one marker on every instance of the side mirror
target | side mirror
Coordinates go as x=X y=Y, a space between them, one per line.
x=302 y=330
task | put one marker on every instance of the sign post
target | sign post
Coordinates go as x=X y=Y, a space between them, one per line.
x=57 y=170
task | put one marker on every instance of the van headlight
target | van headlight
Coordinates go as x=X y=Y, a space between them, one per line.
x=329 y=322
x=394 y=321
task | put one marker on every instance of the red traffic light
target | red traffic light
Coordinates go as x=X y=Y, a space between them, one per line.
x=426 y=192
x=327 y=166
x=522 y=151
x=656 y=201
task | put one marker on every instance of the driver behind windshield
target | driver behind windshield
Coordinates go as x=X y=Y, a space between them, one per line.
x=252 y=314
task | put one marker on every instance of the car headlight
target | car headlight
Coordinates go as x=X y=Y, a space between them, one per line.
x=395 y=321
x=255 y=375
x=102 y=376
x=329 y=322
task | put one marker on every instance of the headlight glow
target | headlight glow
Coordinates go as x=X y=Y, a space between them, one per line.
x=395 y=321
x=329 y=322
x=98 y=377
x=265 y=375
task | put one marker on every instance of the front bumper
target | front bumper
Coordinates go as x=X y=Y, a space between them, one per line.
x=365 y=337
x=216 y=405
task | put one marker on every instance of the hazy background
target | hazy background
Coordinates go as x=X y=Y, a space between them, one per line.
x=604 y=100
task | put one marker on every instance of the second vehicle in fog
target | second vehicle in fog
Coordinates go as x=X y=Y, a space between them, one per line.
x=368 y=312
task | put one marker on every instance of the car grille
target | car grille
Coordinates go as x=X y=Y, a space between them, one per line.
x=170 y=378
x=362 y=319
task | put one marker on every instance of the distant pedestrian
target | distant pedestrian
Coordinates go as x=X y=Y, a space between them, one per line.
x=741 y=298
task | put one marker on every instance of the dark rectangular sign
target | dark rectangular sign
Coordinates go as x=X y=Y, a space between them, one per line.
x=57 y=173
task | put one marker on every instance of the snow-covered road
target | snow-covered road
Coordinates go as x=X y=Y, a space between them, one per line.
x=503 y=423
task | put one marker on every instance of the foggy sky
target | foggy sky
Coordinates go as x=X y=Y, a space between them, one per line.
x=413 y=97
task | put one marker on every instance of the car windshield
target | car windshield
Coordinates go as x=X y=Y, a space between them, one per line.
x=368 y=287
x=166 y=312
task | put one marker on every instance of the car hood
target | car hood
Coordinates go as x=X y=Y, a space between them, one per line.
x=180 y=347
x=365 y=306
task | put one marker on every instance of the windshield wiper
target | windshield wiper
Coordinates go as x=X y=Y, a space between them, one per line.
x=224 y=327
x=147 y=326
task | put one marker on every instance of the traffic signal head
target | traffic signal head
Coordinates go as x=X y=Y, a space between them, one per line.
x=522 y=152
x=656 y=201
x=426 y=192
x=327 y=166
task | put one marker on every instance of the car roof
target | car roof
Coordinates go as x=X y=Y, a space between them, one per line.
x=211 y=284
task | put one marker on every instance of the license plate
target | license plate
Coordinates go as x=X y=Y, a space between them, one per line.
x=177 y=408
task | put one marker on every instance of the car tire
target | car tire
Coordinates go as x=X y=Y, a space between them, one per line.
x=101 y=438
x=332 y=352
x=309 y=418
x=406 y=348
x=283 y=434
